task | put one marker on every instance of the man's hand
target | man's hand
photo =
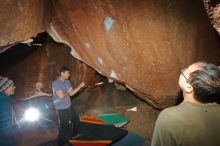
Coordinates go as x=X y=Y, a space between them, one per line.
x=82 y=84
x=72 y=92
x=61 y=94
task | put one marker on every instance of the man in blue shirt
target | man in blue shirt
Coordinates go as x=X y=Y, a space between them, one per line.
x=7 y=126
x=68 y=117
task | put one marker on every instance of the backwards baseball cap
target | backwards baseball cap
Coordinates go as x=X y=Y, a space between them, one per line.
x=5 y=83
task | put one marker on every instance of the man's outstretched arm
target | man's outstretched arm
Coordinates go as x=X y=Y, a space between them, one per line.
x=72 y=92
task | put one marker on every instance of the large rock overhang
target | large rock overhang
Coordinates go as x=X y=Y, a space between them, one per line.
x=141 y=44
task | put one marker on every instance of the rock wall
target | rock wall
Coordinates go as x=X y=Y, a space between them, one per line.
x=143 y=44
x=22 y=19
x=33 y=69
x=213 y=10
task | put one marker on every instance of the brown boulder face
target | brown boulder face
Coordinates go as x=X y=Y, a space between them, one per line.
x=33 y=70
x=142 y=44
x=22 y=19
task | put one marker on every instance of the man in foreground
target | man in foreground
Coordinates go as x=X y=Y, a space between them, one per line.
x=196 y=121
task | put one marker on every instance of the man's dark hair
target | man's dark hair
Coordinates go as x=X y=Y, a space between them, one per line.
x=63 y=69
x=206 y=83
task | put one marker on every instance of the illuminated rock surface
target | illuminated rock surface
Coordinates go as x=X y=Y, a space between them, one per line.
x=141 y=44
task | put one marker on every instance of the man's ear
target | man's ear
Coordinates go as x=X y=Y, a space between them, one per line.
x=189 y=89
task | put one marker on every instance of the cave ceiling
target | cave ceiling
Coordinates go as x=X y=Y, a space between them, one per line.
x=141 y=44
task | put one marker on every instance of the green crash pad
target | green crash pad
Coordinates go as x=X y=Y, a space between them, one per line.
x=114 y=119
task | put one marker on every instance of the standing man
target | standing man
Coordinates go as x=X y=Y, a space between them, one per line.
x=68 y=117
x=8 y=127
x=196 y=121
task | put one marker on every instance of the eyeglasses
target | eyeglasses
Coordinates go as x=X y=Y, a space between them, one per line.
x=182 y=73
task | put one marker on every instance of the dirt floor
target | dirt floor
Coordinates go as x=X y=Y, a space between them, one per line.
x=91 y=101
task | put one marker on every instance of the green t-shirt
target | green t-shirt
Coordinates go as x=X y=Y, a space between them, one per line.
x=188 y=124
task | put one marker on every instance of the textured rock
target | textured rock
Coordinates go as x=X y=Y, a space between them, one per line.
x=21 y=20
x=213 y=10
x=142 y=44
x=34 y=69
